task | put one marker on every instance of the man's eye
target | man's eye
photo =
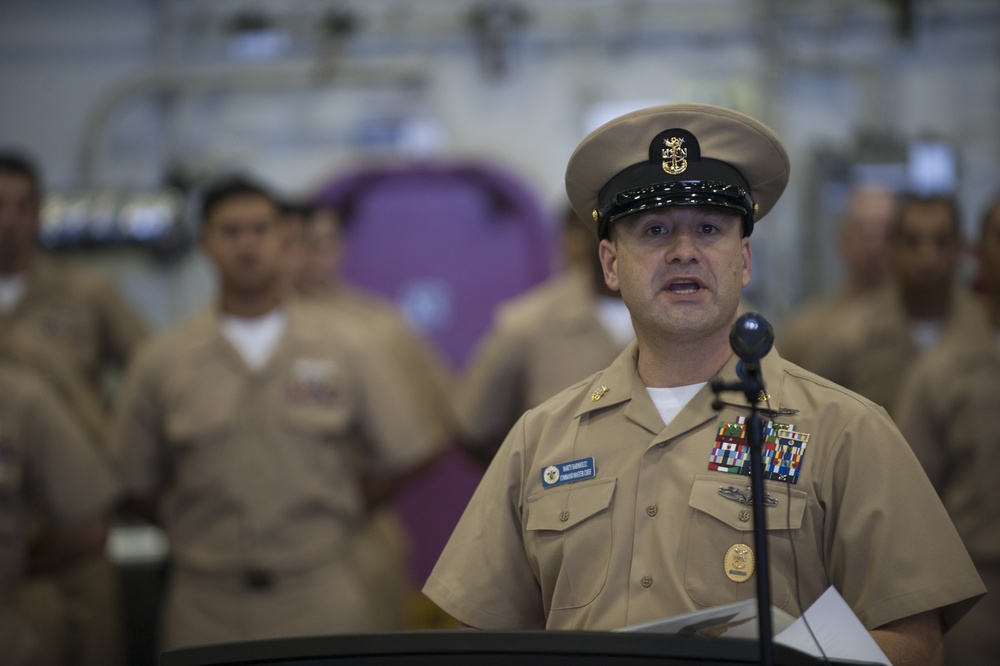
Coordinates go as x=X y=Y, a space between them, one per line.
x=709 y=229
x=656 y=230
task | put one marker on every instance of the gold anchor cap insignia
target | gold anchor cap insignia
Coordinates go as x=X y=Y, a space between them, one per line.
x=674 y=156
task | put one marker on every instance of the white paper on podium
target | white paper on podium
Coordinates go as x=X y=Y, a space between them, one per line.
x=735 y=620
x=837 y=629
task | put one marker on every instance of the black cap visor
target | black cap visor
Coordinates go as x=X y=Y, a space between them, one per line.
x=717 y=185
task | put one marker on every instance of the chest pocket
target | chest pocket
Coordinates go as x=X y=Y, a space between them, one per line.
x=569 y=536
x=717 y=523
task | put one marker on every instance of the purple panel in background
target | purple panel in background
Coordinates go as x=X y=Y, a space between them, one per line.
x=447 y=242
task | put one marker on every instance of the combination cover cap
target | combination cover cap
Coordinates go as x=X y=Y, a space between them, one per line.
x=677 y=155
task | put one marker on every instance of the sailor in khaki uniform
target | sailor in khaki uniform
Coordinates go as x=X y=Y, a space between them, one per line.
x=541 y=342
x=862 y=242
x=69 y=325
x=45 y=462
x=947 y=411
x=623 y=498
x=872 y=344
x=259 y=431
x=382 y=546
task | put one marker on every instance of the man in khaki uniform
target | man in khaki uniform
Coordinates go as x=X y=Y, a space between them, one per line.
x=872 y=344
x=617 y=501
x=863 y=246
x=947 y=411
x=258 y=433
x=541 y=342
x=69 y=325
x=45 y=462
x=382 y=547
x=67 y=322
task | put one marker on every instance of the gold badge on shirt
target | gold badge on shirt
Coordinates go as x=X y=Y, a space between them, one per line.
x=739 y=562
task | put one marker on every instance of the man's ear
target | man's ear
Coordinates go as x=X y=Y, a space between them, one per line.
x=747 y=261
x=608 y=254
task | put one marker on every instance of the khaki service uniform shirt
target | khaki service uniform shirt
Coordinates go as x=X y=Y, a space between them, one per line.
x=382 y=547
x=419 y=362
x=259 y=469
x=947 y=411
x=870 y=347
x=808 y=331
x=70 y=325
x=647 y=536
x=542 y=342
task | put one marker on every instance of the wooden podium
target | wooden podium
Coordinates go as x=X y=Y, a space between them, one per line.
x=487 y=648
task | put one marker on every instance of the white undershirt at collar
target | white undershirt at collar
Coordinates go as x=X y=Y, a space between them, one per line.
x=670 y=401
x=255 y=338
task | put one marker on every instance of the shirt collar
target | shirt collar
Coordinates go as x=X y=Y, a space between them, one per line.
x=620 y=383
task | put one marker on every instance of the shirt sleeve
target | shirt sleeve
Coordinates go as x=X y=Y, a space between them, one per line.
x=397 y=432
x=892 y=550
x=490 y=396
x=67 y=474
x=484 y=576
x=136 y=432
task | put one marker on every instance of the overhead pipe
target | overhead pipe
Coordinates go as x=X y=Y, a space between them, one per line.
x=232 y=77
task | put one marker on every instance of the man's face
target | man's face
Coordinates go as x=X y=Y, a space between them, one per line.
x=925 y=248
x=321 y=252
x=18 y=220
x=864 y=237
x=681 y=270
x=244 y=238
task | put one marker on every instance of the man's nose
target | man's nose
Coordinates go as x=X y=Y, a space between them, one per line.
x=682 y=248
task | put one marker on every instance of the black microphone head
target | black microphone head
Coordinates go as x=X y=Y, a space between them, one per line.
x=751 y=337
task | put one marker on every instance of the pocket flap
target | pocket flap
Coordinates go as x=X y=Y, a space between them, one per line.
x=786 y=514
x=559 y=509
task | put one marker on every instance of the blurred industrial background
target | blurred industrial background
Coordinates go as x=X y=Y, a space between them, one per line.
x=128 y=104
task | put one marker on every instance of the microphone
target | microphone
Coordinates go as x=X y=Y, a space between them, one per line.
x=751 y=337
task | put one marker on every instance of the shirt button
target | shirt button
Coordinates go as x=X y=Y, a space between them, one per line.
x=647 y=581
x=564 y=516
x=651 y=510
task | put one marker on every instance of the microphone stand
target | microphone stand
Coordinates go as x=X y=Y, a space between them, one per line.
x=752 y=387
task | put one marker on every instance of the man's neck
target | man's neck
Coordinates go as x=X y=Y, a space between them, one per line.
x=927 y=303
x=248 y=306
x=670 y=363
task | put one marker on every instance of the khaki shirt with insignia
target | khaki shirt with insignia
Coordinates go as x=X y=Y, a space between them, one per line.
x=647 y=537
x=70 y=326
x=259 y=468
x=44 y=463
x=542 y=342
